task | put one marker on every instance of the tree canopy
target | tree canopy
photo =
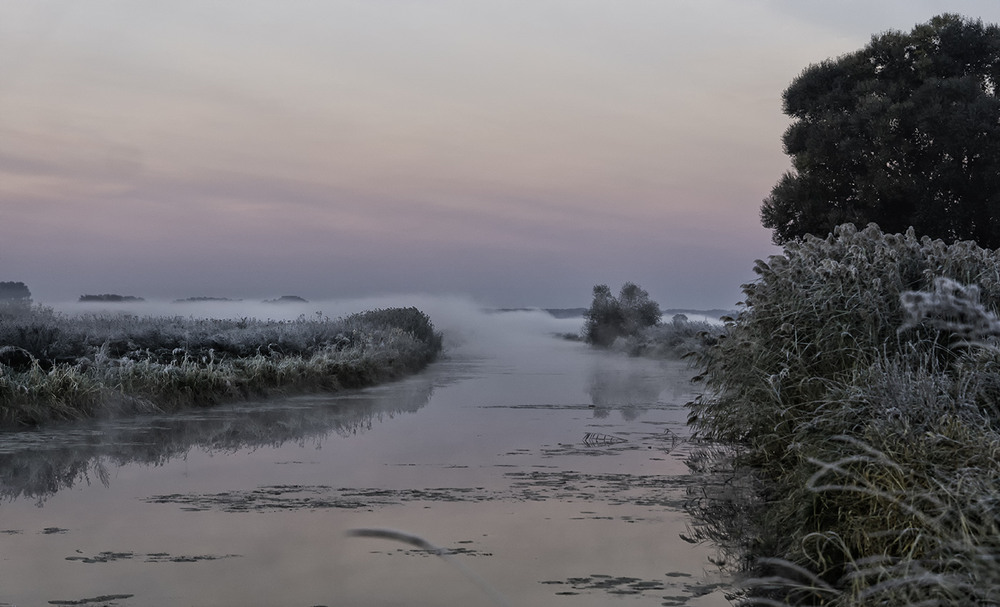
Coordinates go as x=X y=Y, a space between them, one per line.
x=14 y=292
x=610 y=318
x=904 y=132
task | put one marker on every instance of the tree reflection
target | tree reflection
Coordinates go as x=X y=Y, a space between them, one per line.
x=36 y=464
x=631 y=390
x=723 y=508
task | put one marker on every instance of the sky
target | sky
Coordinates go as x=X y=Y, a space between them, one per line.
x=516 y=152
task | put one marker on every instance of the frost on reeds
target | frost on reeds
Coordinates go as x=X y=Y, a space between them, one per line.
x=950 y=308
x=54 y=366
x=679 y=338
x=861 y=385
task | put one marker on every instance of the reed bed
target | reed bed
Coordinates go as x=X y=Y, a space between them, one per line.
x=676 y=339
x=55 y=366
x=860 y=387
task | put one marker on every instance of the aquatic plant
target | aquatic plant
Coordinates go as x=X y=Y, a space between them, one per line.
x=860 y=384
x=104 y=364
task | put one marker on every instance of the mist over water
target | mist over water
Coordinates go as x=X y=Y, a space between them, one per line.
x=553 y=470
x=465 y=323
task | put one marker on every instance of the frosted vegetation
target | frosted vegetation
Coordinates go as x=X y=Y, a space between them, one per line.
x=56 y=366
x=632 y=323
x=860 y=386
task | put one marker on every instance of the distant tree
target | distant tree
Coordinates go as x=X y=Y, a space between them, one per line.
x=604 y=320
x=14 y=292
x=110 y=297
x=638 y=310
x=286 y=299
x=609 y=318
x=904 y=132
x=202 y=299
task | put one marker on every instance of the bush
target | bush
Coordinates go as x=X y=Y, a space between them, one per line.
x=861 y=383
x=14 y=292
x=609 y=318
x=824 y=311
x=54 y=366
x=679 y=338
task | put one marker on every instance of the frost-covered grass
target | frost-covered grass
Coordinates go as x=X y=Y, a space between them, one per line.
x=57 y=366
x=861 y=385
x=678 y=338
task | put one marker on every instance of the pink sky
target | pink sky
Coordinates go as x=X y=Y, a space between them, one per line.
x=518 y=152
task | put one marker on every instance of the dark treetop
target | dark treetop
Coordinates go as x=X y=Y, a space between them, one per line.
x=904 y=132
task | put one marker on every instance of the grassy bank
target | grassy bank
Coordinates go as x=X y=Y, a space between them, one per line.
x=861 y=387
x=55 y=366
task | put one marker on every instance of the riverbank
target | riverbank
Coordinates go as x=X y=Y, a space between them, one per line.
x=861 y=388
x=554 y=472
x=56 y=366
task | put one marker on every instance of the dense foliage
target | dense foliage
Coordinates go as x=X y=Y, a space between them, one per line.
x=54 y=366
x=862 y=384
x=904 y=132
x=610 y=318
x=11 y=292
x=109 y=297
x=679 y=338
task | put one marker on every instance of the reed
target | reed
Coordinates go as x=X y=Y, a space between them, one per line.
x=54 y=366
x=679 y=338
x=861 y=385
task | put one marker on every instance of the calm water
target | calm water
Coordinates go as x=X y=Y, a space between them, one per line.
x=553 y=472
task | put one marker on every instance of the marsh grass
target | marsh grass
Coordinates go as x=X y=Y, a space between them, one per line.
x=54 y=366
x=678 y=338
x=861 y=386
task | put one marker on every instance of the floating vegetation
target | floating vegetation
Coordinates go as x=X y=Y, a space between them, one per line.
x=154 y=557
x=618 y=585
x=534 y=485
x=596 y=438
x=105 y=599
x=313 y=497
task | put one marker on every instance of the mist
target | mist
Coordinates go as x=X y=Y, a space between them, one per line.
x=468 y=325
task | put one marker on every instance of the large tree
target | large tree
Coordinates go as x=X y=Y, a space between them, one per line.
x=904 y=132
x=17 y=292
x=609 y=318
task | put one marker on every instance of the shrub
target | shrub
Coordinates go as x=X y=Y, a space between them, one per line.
x=110 y=297
x=824 y=311
x=14 y=292
x=679 y=338
x=54 y=366
x=861 y=382
x=627 y=315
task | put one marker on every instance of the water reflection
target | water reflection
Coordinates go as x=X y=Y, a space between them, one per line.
x=724 y=507
x=632 y=389
x=495 y=468
x=36 y=464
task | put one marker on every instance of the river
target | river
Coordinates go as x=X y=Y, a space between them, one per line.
x=551 y=473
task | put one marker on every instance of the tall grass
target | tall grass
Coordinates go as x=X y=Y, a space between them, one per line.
x=861 y=384
x=54 y=366
x=678 y=338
